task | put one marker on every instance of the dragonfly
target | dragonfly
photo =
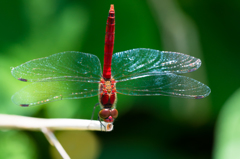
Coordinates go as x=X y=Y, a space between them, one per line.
x=135 y=72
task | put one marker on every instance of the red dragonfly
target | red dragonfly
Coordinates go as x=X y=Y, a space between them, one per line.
x=136 y=72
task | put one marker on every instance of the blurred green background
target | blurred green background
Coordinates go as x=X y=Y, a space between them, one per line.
x=147 y=127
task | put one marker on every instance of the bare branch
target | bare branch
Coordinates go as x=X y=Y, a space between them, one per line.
x=30 y=123
x=54 y=142
x=47 y=126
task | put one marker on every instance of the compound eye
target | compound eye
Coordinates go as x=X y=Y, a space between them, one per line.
x=114 y=113
x=104 y=113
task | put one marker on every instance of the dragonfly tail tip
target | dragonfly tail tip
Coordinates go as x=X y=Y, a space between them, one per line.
x=111 y=7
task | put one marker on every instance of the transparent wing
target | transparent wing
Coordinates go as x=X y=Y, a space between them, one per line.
x=167 y=84
x=143 y=62
x=70 y=66
x=43 y=92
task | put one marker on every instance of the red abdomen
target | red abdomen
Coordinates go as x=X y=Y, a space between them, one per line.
x=109 y=43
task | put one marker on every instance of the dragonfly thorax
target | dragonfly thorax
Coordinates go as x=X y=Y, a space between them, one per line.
x=107 y=98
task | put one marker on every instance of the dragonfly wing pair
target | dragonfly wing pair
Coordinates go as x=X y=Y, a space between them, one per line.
x=145 y=72
x=138 y=72
x=66 y=75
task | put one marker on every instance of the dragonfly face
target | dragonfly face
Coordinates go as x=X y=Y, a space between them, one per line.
x=107 y=98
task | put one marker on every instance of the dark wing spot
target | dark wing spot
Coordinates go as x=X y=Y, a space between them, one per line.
x=22 y=79
x=199 y=97
x=24 y=105
x=191 y=70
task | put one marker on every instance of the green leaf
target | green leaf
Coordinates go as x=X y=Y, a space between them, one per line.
x=227 y=141
x=16 y=145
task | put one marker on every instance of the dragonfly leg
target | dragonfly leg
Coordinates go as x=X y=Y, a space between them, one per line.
x=94 y=110
x=98 y=117
x=101 y=123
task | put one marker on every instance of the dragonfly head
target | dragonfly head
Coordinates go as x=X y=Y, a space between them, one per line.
x=108 y=115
